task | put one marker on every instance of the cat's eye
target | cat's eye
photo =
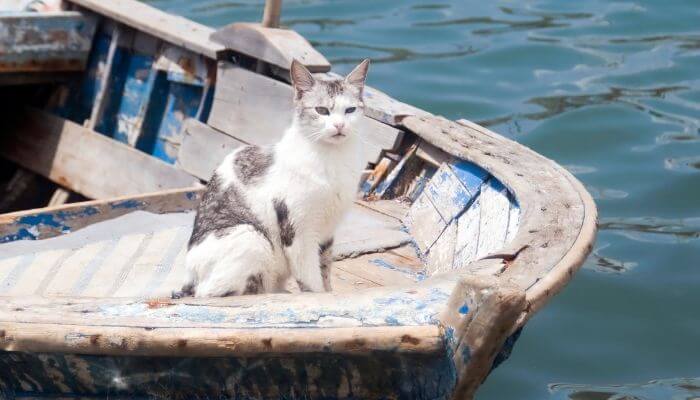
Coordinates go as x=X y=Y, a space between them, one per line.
x=350 y=110
x=322 y=110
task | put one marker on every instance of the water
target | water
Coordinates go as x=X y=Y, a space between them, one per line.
x=609 y=89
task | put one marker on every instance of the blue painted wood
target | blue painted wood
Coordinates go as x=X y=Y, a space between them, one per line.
x=379 y=375
x=138 y=84
x=45 y=224
x=470 y=174
x=107 y=122
x=77 y=105
x=36 y=42
x=182 y=102
x=206 y=103
x=447 y=193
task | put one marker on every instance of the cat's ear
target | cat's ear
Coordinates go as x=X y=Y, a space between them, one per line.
x=301 y=78
x=358 y=75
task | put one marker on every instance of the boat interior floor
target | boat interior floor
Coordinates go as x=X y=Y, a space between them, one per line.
x=142 y=255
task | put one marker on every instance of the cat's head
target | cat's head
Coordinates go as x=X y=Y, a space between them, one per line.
x=328 y=111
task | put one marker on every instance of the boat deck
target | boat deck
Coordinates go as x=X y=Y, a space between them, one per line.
x=142 y=255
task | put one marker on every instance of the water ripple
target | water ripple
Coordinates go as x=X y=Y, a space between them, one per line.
x=683 y=164
x=392 y=54
x=679 y=389
x=653 y=229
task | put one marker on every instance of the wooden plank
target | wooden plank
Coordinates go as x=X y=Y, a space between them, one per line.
x=257 y=109
x=44 y=223
x=161 y=341
x=105 y=76
x=495 y=209
x=393 y=208
x=170 y=28
x=391 y=179
x=409 y=306
x=363 y=230
x=376 y=175
x=425 y=222
x=381 y=269
x=447 y=193
x=513 y=220
x=441 y=254
x=271 y=45
x=55 y=42
x=468 y=235
x=203 y=148
x=82 y=160
x=251 y=107
x=431 y=154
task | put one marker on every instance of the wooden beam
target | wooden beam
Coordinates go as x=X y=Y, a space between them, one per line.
x=277 y=47
x=100 y=99
x=82 y=160
x=203 y=148
x=170 y=28
x=41 y=43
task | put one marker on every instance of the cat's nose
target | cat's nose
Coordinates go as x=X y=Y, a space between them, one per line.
x=339 y=126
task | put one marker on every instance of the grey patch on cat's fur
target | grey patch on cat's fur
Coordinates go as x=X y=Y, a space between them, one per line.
x=326 y=255
x=186 y=291
x=254 y=284
x=220 y=210
x=325 y=246
x=252 y=162
x=286 y=228
x=334 y=87
x=303 y=287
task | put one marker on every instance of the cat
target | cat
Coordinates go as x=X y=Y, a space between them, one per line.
x=269 y=213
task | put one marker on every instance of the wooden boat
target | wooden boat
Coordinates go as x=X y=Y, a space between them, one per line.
x=457 y=238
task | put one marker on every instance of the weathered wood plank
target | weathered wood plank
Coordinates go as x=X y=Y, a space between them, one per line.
x=441 y=254
x=82 y=160
x=46 y=43
x=49 y=222
x=431 y=154
x=425 y=222
x=203 y=148
x=216 y=342
x=381 y=269
x=447 y=193
x=364 y=230
x=392 y=208
x=168 y=27
x=271 y=45
x=409 y=305
x=468 y=235
x=257 y=109
x=495 y=208
x=513 y=220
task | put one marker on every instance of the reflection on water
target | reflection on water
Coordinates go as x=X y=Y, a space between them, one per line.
x=386 y=55
x=670 y=389
x=601 y=263
x=649 y=228
x=610 y=89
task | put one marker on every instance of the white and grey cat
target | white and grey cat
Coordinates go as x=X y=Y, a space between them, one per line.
x=269 y=213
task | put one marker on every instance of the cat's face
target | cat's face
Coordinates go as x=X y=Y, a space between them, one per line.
x=328 y=110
